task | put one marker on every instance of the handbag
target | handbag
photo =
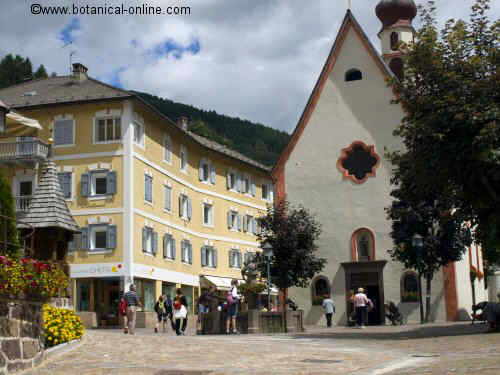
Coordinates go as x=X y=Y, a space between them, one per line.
x=122 y=307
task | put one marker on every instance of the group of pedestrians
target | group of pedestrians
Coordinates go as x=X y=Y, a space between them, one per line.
x=361 y=306
x=167 y=310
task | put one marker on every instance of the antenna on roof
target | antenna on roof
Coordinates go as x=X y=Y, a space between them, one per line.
x=71 y=61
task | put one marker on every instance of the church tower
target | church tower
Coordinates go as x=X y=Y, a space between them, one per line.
x=396 y=17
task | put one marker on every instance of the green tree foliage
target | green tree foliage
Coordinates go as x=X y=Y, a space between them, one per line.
x=16 y=69
x=9 y=242
x=451 y=97
x=255 y=141
x=292 y=232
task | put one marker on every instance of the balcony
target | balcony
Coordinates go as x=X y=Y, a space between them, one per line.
x=23 y=153
x=22 y=204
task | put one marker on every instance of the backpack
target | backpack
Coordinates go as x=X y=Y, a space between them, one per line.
x=122 y=307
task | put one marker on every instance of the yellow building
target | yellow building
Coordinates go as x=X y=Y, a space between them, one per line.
x=157 y=205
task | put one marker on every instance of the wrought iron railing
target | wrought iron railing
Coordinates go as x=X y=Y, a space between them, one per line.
x=23 y=150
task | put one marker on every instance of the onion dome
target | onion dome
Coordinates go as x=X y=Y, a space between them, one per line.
x=391 y=12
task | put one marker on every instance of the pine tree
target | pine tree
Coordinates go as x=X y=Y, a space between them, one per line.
x=40 y=73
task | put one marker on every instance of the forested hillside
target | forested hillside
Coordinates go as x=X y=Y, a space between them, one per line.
x=256 y=141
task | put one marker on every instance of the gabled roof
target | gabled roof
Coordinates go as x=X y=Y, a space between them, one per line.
x=348 y=23
x=48 y=207
x=60 y=89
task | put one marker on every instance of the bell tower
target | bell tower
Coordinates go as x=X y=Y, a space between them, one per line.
x=396 y=17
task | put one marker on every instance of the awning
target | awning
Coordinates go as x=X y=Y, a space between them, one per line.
x=221 y=283
x=15 y=119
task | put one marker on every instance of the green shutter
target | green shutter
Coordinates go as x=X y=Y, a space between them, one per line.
x=85 y=185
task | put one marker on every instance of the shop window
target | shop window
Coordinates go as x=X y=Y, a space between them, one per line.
x=146 y=293
x=363 y=245
x=409 y=287
x=353 y=75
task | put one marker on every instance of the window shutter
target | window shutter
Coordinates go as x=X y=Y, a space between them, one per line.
x=85 y=238
x=63 y=132
x=203 y=256
x=245 y=223
x=189 y=209
x=239 y=222
x=168 y=198
x=111 y=182
x=173 y=246
x=228 y=180
x=212 y=174
x=229 y=219
x=72 y=243
x=155 y=243
x=144 y=239
x=190 y=251
x=200 y=170
x=165 y=245
x=85 y=185
x=214 y=257
x=111 y=234
x=253 y=189
x=230 y=258
x=239 y=259
x=65 y=183
x=180 y=206
x=239 y=183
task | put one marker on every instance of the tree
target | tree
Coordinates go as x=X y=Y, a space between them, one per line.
x=451 y=130
x=9 y=242
x=444 y=236
x=40 y=73
x=16 y=69
x=292 y=232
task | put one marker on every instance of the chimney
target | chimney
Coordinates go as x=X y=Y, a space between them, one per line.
x=183 y=122
x=79 y=72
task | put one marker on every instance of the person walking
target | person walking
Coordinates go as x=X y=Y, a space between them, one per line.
x=361 y=305
x=182 y=298
x=161 y=312
x=233 y=298
x=169 y=307
x=180 y=315
x=133 y=303
x=329 y=308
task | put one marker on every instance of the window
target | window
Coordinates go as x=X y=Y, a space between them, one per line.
x=358 y=162
x=64 y=131
x=108 y=129
x=185 y=207
x=353 y=75
x=233 y=181
x=98 y=183
x=149 y=241
x=267 y=192
x=234 y=259
x=320 y=288
x=233 y=220
x=187 y=252
x=184 y=159
x=409 y=287
x=206 y=172
x=167 y=149
x=138 y=134
x=65 y=180
x=168 y=198
x=148 y=188
x=209 y=257
x=249 y=224
x=168 y=247
x=363 y=245
x=208 y=214
x=98 y=237
x=394 y=40
x=75 y=243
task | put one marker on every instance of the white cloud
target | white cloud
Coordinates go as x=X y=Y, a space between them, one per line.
x=258 y=60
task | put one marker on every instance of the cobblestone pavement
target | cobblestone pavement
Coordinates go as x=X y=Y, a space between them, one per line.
x=431 y=349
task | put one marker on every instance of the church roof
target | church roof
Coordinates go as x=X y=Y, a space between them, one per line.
x=348 y=23
x=48 y=207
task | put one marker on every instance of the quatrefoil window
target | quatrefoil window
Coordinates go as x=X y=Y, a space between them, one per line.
x=358 y=162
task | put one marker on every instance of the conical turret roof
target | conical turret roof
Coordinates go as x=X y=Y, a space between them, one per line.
x=48 y=207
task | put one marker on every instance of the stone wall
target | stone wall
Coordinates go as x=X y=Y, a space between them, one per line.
x=21 y=344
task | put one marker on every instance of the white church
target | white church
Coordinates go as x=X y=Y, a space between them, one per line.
x=334 y=165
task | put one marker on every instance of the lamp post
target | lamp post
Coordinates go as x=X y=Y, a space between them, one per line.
x=268 y=254
x=3 y=115
x=418 y=243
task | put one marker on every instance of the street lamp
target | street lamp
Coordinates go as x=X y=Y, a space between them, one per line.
x=418 y=243
x=3 y=115
x=268 y=254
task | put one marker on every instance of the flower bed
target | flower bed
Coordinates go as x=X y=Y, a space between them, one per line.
x=32 y=278
x=60 y=326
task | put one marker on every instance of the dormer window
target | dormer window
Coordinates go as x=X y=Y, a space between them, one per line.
x=353 y=75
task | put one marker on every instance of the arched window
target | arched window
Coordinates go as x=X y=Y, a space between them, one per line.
x=353 y=75
x=394 y=40
x=319 y=288
x=409 y=287
x=363 y=245
x=397 y=67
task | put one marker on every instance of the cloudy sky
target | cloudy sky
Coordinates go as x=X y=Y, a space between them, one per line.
x=255 y=59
